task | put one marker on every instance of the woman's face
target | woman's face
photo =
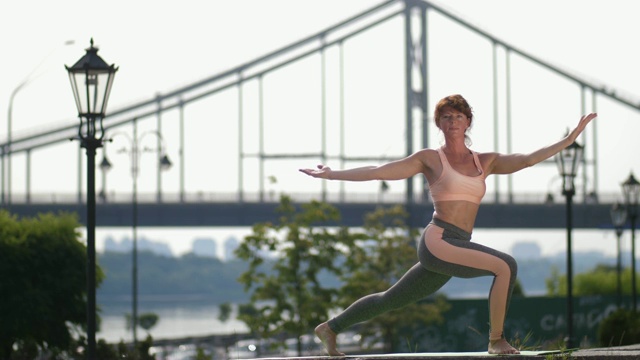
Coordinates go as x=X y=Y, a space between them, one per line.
x=452 y=120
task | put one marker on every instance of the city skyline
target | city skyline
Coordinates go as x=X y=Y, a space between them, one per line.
x=204 y=246
x=549 y=242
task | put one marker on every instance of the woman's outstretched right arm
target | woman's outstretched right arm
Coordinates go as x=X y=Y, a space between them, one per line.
x=394 y=170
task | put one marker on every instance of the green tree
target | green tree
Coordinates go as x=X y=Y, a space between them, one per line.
x=377 y=264
x=202 y=355
x=287 y=296
x=601 y=280
x=42 y=281
x=517 y=289
x=146 y=321
x=187 y=274
x=225 y=312
x=553 y=282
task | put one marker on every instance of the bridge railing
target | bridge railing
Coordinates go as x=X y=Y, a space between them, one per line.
x=272 y=197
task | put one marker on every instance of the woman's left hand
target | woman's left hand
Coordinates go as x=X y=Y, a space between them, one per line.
x=584 y=120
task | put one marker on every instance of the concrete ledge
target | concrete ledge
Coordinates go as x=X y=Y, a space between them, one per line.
x=612 y=353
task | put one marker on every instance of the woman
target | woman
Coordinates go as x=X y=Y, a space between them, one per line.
x=456 y=177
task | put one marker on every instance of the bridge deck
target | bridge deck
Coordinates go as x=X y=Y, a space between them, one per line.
x=238 y=214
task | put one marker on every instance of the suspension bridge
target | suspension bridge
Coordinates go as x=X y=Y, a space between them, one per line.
x=251 y=105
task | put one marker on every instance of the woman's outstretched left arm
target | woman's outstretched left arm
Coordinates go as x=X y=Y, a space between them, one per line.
x=507 y=164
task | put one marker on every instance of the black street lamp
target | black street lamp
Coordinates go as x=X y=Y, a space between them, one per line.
x=135 y=150
x=568 y=161
x=91 y=80
x=619 y=218
x=631 y=190
x=105 y=165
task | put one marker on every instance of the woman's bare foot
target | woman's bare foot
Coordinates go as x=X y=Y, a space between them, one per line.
x=501 y=346
x=328 y=338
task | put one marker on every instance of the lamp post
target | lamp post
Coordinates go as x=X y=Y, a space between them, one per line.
x=91 y=80
x=631 y=190
x=567 y=161
x=618 y=218
x=105 y=165
x=164 y=163
x=7 y=150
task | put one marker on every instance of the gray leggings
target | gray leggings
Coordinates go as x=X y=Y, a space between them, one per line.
x=444 y=251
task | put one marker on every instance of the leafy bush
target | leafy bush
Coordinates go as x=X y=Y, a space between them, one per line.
x=622 y=327
x=42 y=281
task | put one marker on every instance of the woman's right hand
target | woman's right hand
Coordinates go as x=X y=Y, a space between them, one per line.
x=321 y=172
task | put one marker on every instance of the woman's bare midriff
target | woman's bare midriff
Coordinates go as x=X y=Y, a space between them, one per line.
x=459 y=213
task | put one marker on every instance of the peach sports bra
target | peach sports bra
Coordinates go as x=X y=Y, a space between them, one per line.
x=452 y=186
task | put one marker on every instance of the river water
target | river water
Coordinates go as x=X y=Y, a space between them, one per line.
x=177 y=319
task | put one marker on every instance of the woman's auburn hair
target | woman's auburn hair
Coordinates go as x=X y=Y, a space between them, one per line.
x=456 y=102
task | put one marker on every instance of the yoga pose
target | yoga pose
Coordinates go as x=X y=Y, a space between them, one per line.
x=456 y=177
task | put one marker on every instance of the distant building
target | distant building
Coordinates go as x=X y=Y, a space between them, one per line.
x=205 y=247
x=230 y=245
x=155 y=247
x=126 y=245
x=110 y=244
x=526 y=250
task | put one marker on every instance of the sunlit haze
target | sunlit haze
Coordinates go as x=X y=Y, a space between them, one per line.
x=160 y=46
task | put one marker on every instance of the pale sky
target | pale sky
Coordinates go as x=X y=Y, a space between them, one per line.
x=161 y=45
